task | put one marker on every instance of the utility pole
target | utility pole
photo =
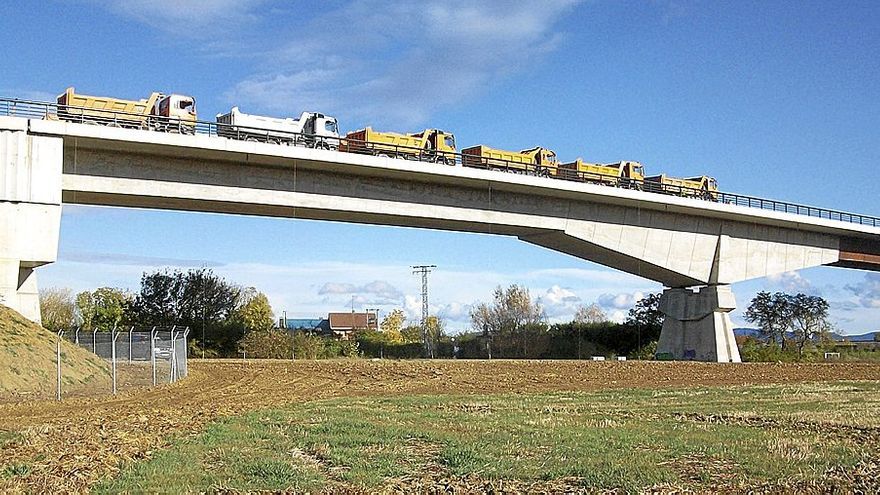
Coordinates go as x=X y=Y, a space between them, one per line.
x=424 y=270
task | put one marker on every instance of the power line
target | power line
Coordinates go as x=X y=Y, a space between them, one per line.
x=424 y=270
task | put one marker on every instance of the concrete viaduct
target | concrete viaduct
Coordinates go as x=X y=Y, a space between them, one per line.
x=695 y=248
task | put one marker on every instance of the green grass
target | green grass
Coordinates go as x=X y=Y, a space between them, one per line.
x=632 y=439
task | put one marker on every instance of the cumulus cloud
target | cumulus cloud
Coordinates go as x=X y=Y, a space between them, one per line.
x=867 y=291
x=558 y=302
x=792 y=282
x=396 y=61
x=622 y=301
x=376 y=292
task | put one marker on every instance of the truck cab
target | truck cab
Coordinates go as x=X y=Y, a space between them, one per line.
x=323 y=128
x=176 y=112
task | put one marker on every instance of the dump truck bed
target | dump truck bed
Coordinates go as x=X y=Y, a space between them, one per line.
x=486 y=157
x=72 y=105
x=369 y=141
x=703 y=187
x=237 y=121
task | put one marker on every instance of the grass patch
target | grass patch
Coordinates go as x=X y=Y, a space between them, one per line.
x=701 y=438
x=13 y=470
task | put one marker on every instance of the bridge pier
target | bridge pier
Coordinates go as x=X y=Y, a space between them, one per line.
x=30 y=212
x=697 y=325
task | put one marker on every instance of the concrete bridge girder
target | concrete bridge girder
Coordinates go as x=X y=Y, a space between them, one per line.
x=675 y=241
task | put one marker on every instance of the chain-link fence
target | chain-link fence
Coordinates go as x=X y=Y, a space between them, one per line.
x=136 y=358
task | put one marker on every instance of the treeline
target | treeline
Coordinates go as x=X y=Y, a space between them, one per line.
x=218 y=313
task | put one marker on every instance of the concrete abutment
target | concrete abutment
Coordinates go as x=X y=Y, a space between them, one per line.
x=30 y=213
x=697 y=325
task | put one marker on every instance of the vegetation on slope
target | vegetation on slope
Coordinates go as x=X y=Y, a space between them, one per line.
x=27 y=359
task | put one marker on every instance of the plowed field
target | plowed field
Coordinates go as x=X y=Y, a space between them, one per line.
x=69 y=446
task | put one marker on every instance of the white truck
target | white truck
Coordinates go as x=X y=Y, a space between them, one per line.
x=311 y=129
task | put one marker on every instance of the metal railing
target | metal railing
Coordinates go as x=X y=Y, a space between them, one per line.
x=46 y=110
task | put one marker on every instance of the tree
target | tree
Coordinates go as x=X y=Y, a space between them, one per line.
x=435 y=329
x=57 y=308
x=809 y=319
x=590 y=314
x=103 y=309
x=411 y=334
x=772 y=313
x=779 y=315
x=197 y=299
x=510 y=311
x=393 y=321
x=646 y=313
x=85 y=310
x=256 y=313
x=512 y=321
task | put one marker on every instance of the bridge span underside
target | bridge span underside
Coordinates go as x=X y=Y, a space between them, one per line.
x=679 y=242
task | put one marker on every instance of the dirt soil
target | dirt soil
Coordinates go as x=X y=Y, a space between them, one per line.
x=47 y=446
x=28 y=364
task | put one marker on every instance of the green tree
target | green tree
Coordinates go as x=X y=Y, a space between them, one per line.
x=103 y=309
x=646 y=313
x=809 y=319
x=256 y=313
x=772 y=313
x=411 y=334
x=84 y=311
x=198 y=299
x=57 y=308
x=590 y=314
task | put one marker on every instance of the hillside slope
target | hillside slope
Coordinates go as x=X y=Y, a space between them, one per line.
x=27 y=359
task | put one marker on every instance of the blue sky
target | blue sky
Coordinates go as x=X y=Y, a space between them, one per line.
x=774 y=99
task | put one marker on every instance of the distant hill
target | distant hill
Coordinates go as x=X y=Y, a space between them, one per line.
x=756 y=333
x=747 y=332
x=865 y=337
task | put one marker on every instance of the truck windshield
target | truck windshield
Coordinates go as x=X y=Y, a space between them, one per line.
x=330 y=126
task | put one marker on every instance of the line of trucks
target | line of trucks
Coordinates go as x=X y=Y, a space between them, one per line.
x=177 y=113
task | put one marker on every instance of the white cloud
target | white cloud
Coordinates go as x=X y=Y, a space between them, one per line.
x=558 y=303
x=187 y=18
x=867 y=291
x=623 y=301
x=396 y=61
x=792 y=282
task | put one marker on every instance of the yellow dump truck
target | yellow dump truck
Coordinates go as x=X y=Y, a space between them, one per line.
x=702 y=187
x=169 y=113
x=620 y=174
x=428 y=145
x=533 y=161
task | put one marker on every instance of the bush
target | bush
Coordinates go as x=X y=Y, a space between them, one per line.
x=267 y=344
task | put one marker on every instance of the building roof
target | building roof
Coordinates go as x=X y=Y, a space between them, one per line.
x=352 y=321
x=303 y=323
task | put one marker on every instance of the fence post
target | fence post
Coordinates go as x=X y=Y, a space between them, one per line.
x=173 y=354
x=113 y=336
x=76 y=336
x=131 y=329
x=185 y=353
x=58 y=364
x=153 y=353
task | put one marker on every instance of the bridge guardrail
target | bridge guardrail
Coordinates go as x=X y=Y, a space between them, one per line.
x=15 y=107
